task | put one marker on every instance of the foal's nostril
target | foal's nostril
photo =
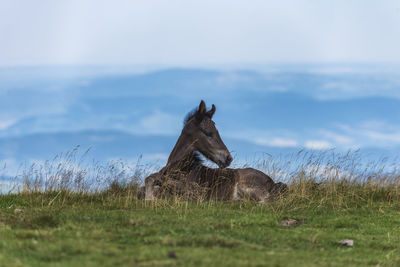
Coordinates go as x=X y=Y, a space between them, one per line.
x=229 y=159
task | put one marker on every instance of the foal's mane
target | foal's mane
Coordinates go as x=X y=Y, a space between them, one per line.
x=195 y=156
x=189 y=116
x=192 y=114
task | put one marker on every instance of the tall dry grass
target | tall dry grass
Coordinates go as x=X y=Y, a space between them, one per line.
x=324 y=178
x=335 y=179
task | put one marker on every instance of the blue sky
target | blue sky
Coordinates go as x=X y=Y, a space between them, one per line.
x=121 y=75
x=121 y=114
x=308 y=108
x=197 y=33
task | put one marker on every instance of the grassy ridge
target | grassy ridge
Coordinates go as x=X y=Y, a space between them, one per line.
x=65 y=229
x=66 y=214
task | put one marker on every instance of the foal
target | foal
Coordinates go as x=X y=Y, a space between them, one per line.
x=184 y=174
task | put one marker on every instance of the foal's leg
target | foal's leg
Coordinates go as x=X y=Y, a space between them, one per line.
x=149 y=186
x=257 y=186
x=237 y=193
x=243 y=191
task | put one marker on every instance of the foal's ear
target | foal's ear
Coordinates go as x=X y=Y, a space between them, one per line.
x=202 y=107
x=211 y=112
x=201 y=112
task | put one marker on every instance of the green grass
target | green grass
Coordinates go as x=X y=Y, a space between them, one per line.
x=107 y=229
x=71 y=214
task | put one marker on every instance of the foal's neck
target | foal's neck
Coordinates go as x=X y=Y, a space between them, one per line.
x=182 y=151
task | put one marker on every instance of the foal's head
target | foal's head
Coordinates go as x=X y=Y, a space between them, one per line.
x=200 y=130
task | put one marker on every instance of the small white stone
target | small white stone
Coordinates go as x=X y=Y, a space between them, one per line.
x=346 y=242
x=18 y=211
x=288 y=222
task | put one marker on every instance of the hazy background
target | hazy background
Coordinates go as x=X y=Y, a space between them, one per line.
x=119 y=76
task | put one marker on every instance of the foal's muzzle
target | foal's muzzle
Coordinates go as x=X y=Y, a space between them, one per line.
x=225 y=162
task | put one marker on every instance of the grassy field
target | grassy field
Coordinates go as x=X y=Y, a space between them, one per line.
x=64 y=229
x=57 y=220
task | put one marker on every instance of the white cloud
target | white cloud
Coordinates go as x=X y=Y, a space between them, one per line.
x=232 y=78
x=369 y=85
x=372 y=133
x=376 y=124
x=159 y=123
x=181 y=32
x=337 y=138
x=386 y=137
x=277 y=138
x=5 y=123
x=277 y=142
x=318 y=144
x=102 y=138
x=335 y=86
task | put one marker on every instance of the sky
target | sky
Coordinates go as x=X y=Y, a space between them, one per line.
x=349 y=109
x=197 y=33
x=285 y=74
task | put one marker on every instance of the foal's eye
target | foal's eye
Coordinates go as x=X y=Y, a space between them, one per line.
x=208 y=134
